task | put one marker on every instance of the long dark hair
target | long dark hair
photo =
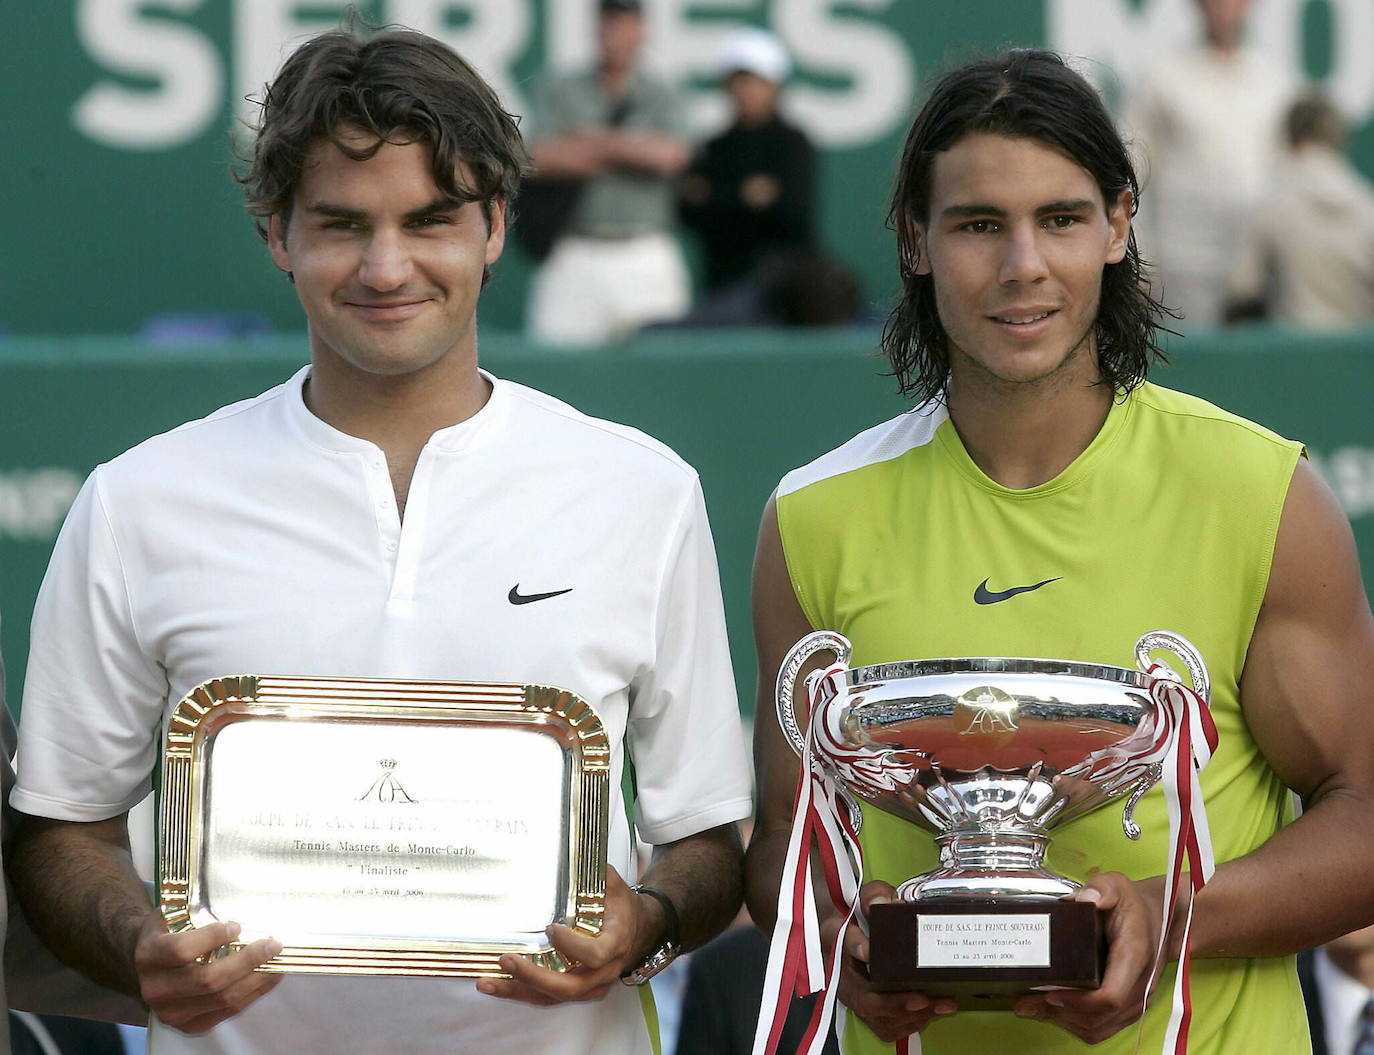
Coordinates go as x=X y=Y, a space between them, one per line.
x=396 y=86
x=1030 y=94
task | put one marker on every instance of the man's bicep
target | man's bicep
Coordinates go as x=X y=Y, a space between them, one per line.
x=1305 y=688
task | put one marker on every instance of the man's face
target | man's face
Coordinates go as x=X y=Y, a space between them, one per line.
x=1016 y=242
x=387 y=268
x=755 y=98
x=620 y=35
x=1224 y=20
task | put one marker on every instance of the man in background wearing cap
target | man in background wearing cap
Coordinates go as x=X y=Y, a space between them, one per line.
x=618 y=130
x=749 y=194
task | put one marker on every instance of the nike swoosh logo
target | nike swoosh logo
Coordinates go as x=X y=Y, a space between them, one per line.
x=516 y=597
x=983 y=595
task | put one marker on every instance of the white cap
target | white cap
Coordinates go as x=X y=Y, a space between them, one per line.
x=756 y=51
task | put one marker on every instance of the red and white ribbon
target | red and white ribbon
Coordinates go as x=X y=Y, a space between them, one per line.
x=825 y=814
x=1185 y=740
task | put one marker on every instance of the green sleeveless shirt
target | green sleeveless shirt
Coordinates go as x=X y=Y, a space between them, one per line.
x=1166 y=522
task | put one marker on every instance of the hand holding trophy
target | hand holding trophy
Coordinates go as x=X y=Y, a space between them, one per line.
x=990 y=754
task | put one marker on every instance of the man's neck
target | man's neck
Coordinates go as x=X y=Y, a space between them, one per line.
x=399 y=413
x=1025 y=435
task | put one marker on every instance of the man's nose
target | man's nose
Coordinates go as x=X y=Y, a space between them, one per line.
x=386 y=263
x=1024 y=260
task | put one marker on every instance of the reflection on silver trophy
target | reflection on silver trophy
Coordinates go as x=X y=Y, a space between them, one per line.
x=989 y=754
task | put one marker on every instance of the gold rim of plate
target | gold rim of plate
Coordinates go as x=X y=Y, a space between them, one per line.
x=222 y=703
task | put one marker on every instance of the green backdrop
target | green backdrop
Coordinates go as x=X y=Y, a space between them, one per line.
x=743 y=407
x=116 y=166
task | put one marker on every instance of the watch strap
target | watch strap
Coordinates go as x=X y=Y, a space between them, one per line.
x=667 y=950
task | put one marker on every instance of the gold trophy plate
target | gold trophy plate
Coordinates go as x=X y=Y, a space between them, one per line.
x=385 y=827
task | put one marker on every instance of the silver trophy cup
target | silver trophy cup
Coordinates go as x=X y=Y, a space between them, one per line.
x=989 y=754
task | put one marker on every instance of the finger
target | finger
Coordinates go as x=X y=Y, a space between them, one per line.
x=876 y=892
x=528 y=983
x=590 y=951
x=160 y=949
x=197 y=1013
x=164 y=986
x=856 y=945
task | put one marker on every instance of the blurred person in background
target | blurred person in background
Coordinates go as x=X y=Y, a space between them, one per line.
x=1338 y=989
x=1307 y=258
x=750 y=192
x=1206 y=125
x=618 y=132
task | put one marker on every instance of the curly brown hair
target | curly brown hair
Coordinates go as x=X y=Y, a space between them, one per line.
x=1023 y=94
x=397 y=86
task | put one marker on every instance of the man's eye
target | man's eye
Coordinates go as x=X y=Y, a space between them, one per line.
x=342 y=225
x=980 y=226
x=1063 y=222
x=430 y=221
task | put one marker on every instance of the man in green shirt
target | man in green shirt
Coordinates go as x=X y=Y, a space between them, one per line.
x=1046 y=500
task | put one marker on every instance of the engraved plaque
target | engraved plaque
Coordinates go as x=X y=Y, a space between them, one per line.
x=385 y=827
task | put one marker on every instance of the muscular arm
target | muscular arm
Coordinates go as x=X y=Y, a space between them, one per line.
x=1310 y=707
x=78 y=886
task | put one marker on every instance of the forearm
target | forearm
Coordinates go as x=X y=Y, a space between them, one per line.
x=763 y=864
x=1311 y=882
x=649 y=152
x=81 y=893
x=703 y=875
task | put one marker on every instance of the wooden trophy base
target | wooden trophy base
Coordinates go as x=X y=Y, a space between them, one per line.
x=985 y=953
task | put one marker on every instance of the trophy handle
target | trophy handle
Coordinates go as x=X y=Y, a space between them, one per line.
x=787 y=678
x=1184 y=650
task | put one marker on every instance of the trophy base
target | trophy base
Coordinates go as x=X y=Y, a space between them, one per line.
x=985 y=953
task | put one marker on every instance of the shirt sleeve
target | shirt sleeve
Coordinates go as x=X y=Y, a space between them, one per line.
x=93 y=697
x=685 y=737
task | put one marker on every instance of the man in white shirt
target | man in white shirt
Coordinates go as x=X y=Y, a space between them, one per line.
x=1338 y=988
x=1307 y=258
x=391 y=511
x=1206 y=124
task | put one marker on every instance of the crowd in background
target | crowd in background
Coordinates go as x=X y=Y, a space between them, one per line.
x=1251 y=209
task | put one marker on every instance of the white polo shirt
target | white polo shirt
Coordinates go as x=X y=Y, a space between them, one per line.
x=262 y=540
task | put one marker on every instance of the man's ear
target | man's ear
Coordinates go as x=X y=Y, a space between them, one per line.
x=496 y=229
x=920 y=264
x=276 y=242
x=1119 y=225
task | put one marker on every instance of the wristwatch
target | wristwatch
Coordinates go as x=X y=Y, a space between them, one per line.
x=667 y=952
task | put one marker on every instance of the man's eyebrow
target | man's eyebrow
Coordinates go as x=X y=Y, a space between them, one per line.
x=441 y=204
x=972 y=209
x=1051 y=208
x=343 y=212
x=1072 y=205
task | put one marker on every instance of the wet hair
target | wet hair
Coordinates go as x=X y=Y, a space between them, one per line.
x=1032 y=95
x=395 y=86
